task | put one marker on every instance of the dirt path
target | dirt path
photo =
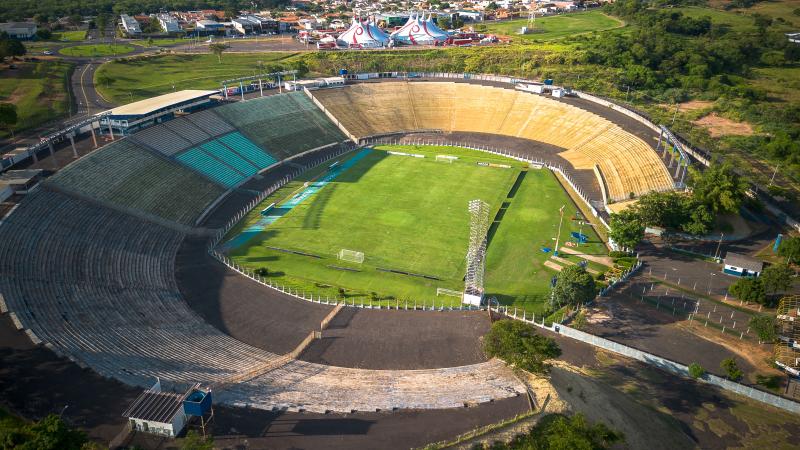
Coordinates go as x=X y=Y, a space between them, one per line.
x=604 y=260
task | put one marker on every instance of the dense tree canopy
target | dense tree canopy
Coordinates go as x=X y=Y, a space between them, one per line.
x=790 y=249
x=574 y=286
x=626 y=228
x=518 y=344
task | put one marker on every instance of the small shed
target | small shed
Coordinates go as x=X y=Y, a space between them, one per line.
x=6 y=191
x=157 y=412
x=21 y=181
x=740 y=265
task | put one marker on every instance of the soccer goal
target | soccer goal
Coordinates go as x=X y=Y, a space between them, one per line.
x=351 y=256
x=446 y=158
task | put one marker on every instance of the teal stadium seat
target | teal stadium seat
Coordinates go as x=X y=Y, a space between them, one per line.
x=229 y=157
x=204 y=163
x=249 y=150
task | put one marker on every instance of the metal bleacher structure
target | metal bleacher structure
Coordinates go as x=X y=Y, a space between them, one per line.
x=87 y=260
x=628 y=166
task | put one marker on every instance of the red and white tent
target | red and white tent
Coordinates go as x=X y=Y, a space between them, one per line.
x=419 y=30
x=363 y=34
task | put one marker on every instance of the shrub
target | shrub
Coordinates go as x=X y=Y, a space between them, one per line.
x=518 y=344
x=696 y=370
x=732 y=370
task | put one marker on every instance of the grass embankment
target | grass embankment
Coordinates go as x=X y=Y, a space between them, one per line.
x=556 y=27
x=137 y=78
x=410 y=214
x=39 y=89
x=96 y=50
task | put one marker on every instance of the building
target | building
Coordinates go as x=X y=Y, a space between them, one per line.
x=128 y=118
x=740 y=265
x=168 y=413
x=169 y=24
x=19 y=30
x=130 y=26
x=6 y=191
x=793 y=37
x=21 y=181
x=207 y=27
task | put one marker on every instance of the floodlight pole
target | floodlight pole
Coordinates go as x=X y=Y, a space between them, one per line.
x=560 y=221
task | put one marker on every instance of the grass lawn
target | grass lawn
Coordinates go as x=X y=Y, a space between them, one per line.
x=138 y=78
x=69 y=36
x=410 y=214
x=557 y=27
x=515 y=271
x=162 y=42
x=39 y=91
x=97 y=50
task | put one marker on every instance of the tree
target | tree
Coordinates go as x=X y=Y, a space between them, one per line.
x=218 y=48
x=11 y=47
x=193 y=441
x=8 y=116
x=731 y=369
x=574 y=286
x=718 y=187
x=790 y=249
x=518 y=345
x=626 y=228
x=51 y=433
x=764 y=326
x=75 y=20
x=777 y=277
x=556 y=431
x=44 y=34
x=149 y=42
x=748 y=290
x=696 y=371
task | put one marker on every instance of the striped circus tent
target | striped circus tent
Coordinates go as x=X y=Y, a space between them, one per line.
x=363 y=34
x=419 y=30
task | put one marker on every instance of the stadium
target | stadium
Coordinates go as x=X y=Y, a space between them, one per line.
x=318 y=251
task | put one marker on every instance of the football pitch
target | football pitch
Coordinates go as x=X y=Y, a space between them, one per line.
x=408 y=215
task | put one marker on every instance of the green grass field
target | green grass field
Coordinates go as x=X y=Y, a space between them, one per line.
x=69 y=36
x=139 y=78
x=39 y=91
x=96 y=50
x=557 y=27
x=410 y=214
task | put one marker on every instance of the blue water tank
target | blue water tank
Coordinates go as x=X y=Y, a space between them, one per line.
x=198 y=403
x=548 y=82
x=342 y=71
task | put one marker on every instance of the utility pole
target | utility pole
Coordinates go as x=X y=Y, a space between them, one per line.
x=719 y=244
x=560 y=221
x=677 y=107
x=772 y=180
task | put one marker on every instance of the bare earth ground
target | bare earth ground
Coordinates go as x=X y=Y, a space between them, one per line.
x=691 y=105
x=720 y=126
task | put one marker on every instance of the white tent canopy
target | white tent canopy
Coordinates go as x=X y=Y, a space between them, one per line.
x=419 y=30
x=362 y=34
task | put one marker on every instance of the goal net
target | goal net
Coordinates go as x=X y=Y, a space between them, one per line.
x=351 y=256
x=446 y=158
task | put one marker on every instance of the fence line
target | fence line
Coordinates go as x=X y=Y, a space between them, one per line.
x=657 y=361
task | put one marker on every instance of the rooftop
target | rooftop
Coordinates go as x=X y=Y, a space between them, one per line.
x=153 y=104
x=743 y=261
x=155 y=406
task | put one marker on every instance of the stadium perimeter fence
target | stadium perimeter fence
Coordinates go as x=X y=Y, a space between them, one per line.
x=659 y=362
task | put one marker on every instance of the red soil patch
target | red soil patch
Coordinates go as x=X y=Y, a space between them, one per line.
x=719 y=126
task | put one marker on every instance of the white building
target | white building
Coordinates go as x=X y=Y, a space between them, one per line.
x=157 y=412
x=168 y=23
x=130 y=25
x=19 y=30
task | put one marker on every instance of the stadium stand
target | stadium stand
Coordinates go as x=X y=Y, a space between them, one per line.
x=201 y=161
x=283 y=124
x=229 y=157
x=162 y=139
x=248 y=150
x=628 y=164
x=210 y=122
x=97 y=286
x=186 y=129
x=127 y=175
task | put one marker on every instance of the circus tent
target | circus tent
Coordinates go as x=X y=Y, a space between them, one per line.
x=419 y=30
x=363 y=34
